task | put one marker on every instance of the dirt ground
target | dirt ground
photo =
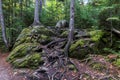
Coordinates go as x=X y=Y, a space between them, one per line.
x=6 y=71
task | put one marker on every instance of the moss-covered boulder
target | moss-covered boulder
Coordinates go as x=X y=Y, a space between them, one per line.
x=24 y=37
x=87 y=42
x=24 y=53
x=31 y=61
x=21 y=51
x=36 y=34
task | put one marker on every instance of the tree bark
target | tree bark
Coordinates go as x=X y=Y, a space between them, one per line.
x=41 y=7
x=71 y=27
x=21 y=9
x=3 y=25
x=36 y=13
x=45 y=2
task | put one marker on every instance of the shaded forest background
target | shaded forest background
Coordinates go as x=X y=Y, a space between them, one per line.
x=95 y=14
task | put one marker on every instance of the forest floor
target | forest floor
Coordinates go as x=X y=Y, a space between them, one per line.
x=94 y=67
x=7 y=72
x=89 y=69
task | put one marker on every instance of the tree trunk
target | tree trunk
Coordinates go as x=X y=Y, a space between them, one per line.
x=41 y=7
x=3 y=26
x=44 y=2
x=71 y=28
x=36 y=13
x=21 y=9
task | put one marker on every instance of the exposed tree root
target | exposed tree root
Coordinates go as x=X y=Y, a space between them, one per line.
x=57 y=67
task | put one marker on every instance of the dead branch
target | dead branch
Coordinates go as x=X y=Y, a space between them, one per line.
x=116 y=31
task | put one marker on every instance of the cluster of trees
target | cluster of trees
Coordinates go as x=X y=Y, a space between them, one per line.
x=19 y=14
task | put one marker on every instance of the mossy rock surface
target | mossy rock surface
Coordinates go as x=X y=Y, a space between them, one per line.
x=88 y=42
x=24 y=37
x=25 y=56
x=24 y=51
x=21 y=51
x=36 y=34
x=96 y=35
x=64 y=34
x=75 y=50
x=76 y=44
x=30 y=61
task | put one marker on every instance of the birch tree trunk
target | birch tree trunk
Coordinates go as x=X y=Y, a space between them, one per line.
x=71 y=27
x=3 y=25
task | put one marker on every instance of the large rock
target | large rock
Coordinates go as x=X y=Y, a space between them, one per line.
x=62 y=24
x=24 y=53
x=37 y=34
x=87 y=42
x=31 y=61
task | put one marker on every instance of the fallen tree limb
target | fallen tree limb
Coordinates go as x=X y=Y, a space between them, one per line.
x=116 y=31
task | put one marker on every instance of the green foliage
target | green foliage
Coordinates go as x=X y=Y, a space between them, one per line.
x=17 y=15
x=109 y=17
x=110 y=51
x=85 y=15
x=113 y=51
x=52 y=12
x=111 y=2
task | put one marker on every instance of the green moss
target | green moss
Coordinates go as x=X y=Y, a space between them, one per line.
x=29 y=61
x=21 y=51
x=41 y=30
x=117 y=62
x=44 y=38
x=35 y=34
x=76 y=44
x=98 y=66
x=64 y=34
x=23 y=37
x=96 y=35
